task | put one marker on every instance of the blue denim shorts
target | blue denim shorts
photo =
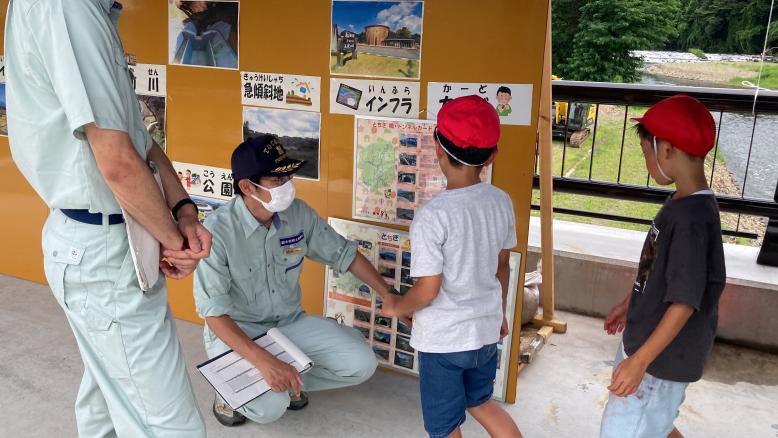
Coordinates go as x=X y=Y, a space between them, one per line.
x=451 y=383
x=648 y=413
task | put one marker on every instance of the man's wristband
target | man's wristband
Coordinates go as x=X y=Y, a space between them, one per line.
x=180 y=205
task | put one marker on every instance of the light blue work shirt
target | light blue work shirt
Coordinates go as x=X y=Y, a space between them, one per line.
x=56 y=85
x=253 y=272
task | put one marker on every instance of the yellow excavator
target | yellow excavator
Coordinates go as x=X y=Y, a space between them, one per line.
x=572 y=120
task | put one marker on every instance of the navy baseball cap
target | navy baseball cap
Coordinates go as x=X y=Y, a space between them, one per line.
x=263 y=155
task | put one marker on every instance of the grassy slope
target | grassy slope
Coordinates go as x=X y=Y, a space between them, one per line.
x=606 y=168
x=366 y=64
x=769 y=74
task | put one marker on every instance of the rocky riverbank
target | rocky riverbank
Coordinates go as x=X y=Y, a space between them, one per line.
x=707 y=72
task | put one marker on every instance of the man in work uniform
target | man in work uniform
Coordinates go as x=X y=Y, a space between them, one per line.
x=76 y=133
x=250 y=284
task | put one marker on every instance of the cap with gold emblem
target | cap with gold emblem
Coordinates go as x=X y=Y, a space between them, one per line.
x=263 y=155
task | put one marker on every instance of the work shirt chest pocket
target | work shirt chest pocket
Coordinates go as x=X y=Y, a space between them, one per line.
x=246 y=279
x=289 y=264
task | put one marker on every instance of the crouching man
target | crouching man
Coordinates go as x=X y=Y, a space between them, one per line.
x=250 y=284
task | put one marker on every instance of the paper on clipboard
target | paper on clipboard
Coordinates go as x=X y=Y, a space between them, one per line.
x=238 y=382
x=144 y=247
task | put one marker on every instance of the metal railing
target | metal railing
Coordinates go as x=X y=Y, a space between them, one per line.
x=719 y=101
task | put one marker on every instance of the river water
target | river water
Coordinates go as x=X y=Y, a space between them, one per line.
x=734 y=144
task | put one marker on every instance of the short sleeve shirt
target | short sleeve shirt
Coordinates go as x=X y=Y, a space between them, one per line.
x=253 y=272
x=66 y=68
x=459 y=234
x=682 y=262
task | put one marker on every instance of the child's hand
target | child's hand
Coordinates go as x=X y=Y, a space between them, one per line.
x=616 y=319
x=504 y=329
x=627 y=377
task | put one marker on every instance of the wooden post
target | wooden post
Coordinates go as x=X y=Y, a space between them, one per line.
x=546 y=194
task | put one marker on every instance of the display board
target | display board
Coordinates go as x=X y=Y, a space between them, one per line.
x=353 y=303
x=463 y=42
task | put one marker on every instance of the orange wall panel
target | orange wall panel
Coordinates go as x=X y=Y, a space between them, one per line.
x=463 y=41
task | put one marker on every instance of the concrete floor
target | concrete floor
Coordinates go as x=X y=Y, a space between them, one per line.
x=560 y=395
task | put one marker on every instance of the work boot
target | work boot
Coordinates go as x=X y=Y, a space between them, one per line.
x=298 y=403
x=225 y=414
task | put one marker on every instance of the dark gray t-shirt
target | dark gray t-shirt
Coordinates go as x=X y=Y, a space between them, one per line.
x=682 y=262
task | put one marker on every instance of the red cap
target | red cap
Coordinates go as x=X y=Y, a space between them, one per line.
x=683 y=121
x=470 y=121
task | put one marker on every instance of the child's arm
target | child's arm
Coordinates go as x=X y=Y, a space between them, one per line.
x=365 y=271
x=423 y=292
x=503 y=276
x=627 y=377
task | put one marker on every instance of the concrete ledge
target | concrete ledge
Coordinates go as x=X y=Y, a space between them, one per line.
x=596 y=266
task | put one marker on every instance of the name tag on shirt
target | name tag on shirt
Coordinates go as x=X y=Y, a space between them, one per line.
x=291 y=240
x=293 y=250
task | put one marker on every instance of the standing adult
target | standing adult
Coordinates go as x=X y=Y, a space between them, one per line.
x=77 y=135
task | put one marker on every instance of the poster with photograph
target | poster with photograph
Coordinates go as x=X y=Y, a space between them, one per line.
x=379 y=39
x=396 y=170
x=297 y=130
x=374 y=98
x=504 y=346
x=3 y=114
x=150 y=82
x=281 y=91
x=203 y=33
x=513 y=102
x=353 y=303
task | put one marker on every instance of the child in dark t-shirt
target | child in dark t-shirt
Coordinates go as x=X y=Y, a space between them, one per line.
x=669 y=318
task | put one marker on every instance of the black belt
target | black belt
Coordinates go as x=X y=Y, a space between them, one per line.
x=84 y=216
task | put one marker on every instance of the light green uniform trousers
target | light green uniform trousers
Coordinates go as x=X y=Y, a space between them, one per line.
x=135 y=382
x=340 y=354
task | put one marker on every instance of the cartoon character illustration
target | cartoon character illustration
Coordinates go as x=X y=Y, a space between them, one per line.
x=503 y=98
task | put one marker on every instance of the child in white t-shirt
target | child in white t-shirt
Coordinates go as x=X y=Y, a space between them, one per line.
x=461 y=241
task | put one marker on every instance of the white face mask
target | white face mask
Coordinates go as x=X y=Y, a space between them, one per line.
x=656 y=156
x=281 y=197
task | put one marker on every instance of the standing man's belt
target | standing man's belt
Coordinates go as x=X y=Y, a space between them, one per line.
x=84 y=216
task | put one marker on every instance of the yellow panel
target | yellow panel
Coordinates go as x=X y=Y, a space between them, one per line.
x=463 y=41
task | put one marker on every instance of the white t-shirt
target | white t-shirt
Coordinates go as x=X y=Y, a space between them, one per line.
x=460 y=233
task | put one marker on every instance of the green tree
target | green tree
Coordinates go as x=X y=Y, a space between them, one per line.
x=723 y=26
x=610 y=29
x=403 y=32
x=565 y=16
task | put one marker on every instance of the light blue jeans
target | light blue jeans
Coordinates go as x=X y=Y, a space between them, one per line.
x=648 y=413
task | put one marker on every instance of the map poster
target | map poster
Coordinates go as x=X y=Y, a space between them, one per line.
x=504 y=346
x=352 y=303
x=395 y=168
x=513 y=102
